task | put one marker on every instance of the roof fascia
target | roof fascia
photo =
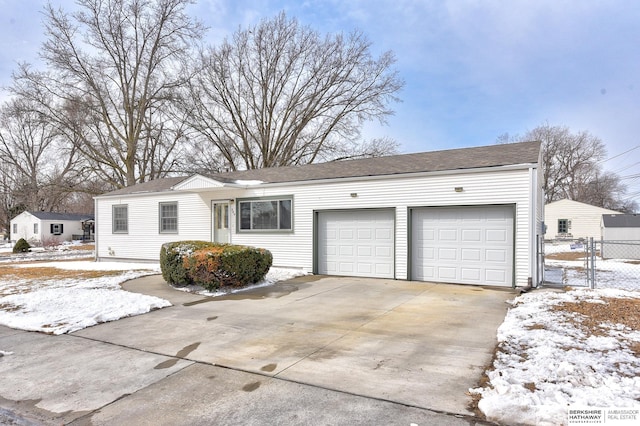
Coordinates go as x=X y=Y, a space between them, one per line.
x=523 y=166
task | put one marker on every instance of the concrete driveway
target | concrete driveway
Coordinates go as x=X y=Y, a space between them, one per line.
x=311 y=350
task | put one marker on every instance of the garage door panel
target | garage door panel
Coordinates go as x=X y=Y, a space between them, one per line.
x=447 y=254
x=471 y=274
x=495 y=276
x=365 y=241
x=365 y=251
x=365 y=234
x=474 y=235
x=496 y=255
x=474 y=245
x=447 y=273
x=471 y=255
x=496 y=235
x=448 y=235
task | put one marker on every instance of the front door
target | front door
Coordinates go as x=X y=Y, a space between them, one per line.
x=221 y=222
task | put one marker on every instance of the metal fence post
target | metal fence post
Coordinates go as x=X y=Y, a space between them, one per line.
x=592 y=272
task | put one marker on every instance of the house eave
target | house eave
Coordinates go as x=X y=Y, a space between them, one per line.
x=227 y=185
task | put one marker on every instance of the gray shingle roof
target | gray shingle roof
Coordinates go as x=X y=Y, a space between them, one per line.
x=453 y=159
x=61 y=216
x=621 y=220
x=157 y=185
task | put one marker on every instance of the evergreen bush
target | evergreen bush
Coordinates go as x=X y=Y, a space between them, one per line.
x=22 y=246
x=213 y=265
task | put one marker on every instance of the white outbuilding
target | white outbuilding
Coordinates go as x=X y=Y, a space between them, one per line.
x=49 y=227
x=568 y=219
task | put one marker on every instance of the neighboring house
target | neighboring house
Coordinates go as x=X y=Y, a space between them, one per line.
x=469 y=216
x=568 y=219
x=44 y=227
x=620 y=236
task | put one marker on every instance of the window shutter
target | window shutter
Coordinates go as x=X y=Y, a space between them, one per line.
x=51 y=228
x=62 y=228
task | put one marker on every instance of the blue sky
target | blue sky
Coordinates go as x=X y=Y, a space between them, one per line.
x=473 y=69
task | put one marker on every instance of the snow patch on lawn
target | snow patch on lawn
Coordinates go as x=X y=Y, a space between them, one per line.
x=65 y=305
x=274 y=275
x=546 y=363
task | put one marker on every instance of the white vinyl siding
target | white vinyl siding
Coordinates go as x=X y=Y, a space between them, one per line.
x=295 y=248
x=585 y=219
x=143 y=241
x=490 y=187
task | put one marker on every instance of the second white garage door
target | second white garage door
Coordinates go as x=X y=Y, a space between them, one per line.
x=358 y=243
x=465 y=245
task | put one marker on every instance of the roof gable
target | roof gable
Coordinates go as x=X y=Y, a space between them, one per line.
x=197 y=182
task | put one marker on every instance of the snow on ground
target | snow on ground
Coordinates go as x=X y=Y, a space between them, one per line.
x=547 y=364
x=64 y=305
x=274 y=275
x=610 y=273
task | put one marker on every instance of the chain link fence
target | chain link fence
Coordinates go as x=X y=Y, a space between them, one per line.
x=589 y=263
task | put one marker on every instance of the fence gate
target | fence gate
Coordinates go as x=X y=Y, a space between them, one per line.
x=568 y=262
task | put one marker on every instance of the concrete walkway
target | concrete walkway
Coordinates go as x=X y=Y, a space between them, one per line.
x=313 y=350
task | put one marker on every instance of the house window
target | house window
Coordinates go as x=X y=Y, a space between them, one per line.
x=168 y=217
x=15 y=228
x=563 y=226
x=56 y=228
x=120 y=217
x=35 y=228
x=266 y=214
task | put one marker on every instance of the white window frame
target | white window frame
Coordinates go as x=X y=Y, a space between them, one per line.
x=120 y=228
x=164 y=220
x=280 y=200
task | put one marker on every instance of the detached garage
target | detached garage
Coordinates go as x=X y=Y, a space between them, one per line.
x=466 y=216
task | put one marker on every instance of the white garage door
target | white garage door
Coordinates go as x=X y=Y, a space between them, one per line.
x=465 y=245
x=357 y=243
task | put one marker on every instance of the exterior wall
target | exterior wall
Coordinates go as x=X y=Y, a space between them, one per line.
x=69 y=228
x=143 y=239
x=25 y=222
x=621 y=234
x=295 y=249
x=620 y=243
x=585 y=219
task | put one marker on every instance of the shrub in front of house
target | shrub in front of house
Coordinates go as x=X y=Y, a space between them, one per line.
x=22 y=246
x=212 y=265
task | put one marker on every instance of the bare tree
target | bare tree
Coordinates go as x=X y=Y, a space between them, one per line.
x=30 y=146
x=280 y=94
x=113 y=68
x=571 y=167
